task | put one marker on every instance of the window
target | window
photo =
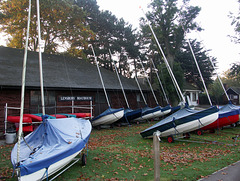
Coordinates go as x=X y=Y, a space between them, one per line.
x=232 y=96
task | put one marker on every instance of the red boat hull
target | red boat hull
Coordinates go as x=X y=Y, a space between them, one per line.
x=221 y=122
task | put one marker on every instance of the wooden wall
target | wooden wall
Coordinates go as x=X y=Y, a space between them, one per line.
x=12 y=98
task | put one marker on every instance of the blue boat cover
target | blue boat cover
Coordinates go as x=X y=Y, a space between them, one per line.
x=166 y=108
x=107 y=112
x=52 y=141
x=147 y=110
x=228 y=110
x=130 y=114
x=176 y=108
x=180 y=117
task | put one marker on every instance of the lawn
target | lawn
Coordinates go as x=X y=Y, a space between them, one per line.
x=120 y=153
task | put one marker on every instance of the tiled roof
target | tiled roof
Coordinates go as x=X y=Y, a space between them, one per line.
x=58 y=72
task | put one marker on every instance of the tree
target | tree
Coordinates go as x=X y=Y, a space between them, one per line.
x=61 y=23
x=191 y=73
x=169 y=22
x=111 y=33
x=168 y=25
x=235 y=72
x=216 y=92
x=236 y=24
x=232 y=76
x=167 y=82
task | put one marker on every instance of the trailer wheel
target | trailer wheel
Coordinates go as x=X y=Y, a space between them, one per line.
x=170 y=139
x=84 y=159
x=199 y=132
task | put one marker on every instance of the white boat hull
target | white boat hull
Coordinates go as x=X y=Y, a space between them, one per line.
x=191 y=126
x=108 y=119
x=153 y=115
x=41 y=174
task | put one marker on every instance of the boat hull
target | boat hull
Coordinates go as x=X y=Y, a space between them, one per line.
x=51 y=170
x=152 y=113
x=190 y=126
x=54 y=144
x=109 y=118
x=178 y=123
x=228 y=114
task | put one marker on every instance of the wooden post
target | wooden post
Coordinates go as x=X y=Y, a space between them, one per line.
x=156 y=150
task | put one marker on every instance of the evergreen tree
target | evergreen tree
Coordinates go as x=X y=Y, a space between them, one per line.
x=169 y=22
x=111 y=33
x=191 y=73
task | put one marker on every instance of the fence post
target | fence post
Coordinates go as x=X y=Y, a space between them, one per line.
x=156 y=150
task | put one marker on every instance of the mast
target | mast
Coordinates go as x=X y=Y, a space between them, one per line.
x=225 y=92
x=23 y=84
x=125 y=97
x=165 y=60
x=195 y=60
x=95 y=58
x=194 y=57
x=149 y=83
x=159 y=80
x=40 y=57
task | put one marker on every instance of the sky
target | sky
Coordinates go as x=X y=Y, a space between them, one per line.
x=213 y=18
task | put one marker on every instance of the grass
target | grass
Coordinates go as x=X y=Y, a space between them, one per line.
x=121 y=153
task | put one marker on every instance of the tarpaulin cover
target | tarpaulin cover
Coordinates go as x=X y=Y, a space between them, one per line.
x=148 y=110
x=107 y=112
x=228 y=110
x=176 y=108
x=52 y=141
x=166 y=108
x=180 y=117
x=228 y=114
x=130 y=114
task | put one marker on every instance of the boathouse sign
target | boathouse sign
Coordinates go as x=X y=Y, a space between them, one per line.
x=75 y=98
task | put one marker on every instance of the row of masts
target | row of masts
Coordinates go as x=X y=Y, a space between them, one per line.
x=41 y=73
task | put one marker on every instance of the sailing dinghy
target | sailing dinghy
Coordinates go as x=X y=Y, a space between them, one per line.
x=110 y=115
x=156 y=112
x=129 y=114
x=54 y=144
x=184 y=120
x=228 y=114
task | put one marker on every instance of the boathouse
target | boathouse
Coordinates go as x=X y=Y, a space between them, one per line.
x=70 y=84
x=233 y=94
